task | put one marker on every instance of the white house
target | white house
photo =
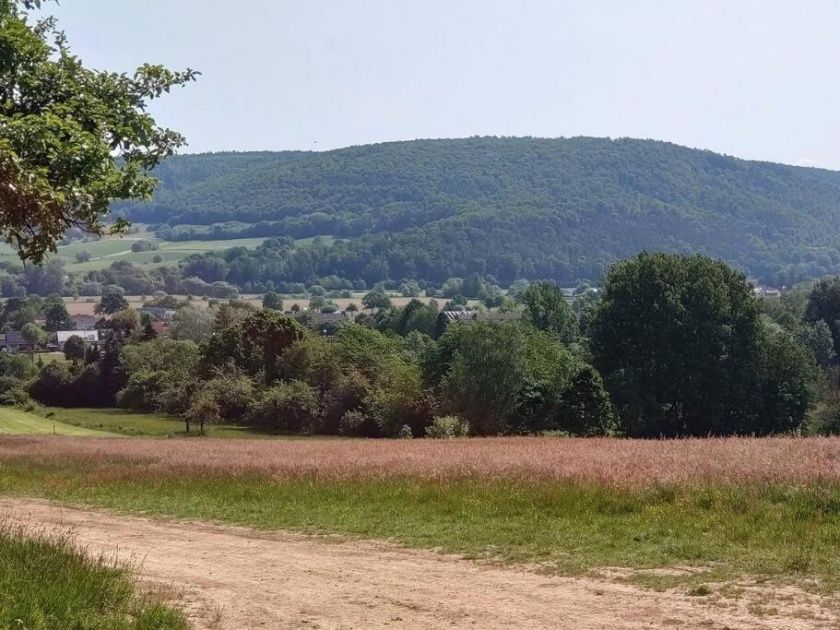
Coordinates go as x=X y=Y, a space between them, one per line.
x=89 y=336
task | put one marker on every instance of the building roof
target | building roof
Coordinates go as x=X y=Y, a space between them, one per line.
x=486 y=316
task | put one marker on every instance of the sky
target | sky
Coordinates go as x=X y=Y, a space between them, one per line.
x=754 y=79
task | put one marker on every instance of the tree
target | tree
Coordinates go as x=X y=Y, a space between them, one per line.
x=586 y=407
x=546 y=308
x=74 y=349
x=272 y=301
x=112 y=300
x=485 y=374
x=824 y=304
x=148 y=332
x=817 y=337
x=376 y=300
x=193 y=323
x=62 y=125
x=287 y=406
x=683 y=351
x=253 y=345
x=33 y=334
x=56 y=315
x=203 y=410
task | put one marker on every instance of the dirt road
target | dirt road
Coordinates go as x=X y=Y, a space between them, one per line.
x=229 y=577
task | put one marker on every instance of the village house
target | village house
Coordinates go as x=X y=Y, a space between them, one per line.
x=83 y=321
x=88 y=336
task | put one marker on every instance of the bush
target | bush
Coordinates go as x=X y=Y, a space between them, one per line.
x=825 y=418
x=447 y=427
x=142 y=391
x=356 y=423
x=143 y=245
x=288 y=406
x=405 y=433
x=233 y=393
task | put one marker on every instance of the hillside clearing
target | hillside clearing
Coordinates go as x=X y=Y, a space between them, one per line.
x=268 y=580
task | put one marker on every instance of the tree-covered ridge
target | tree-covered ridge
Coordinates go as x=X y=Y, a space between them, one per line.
x=560 y=209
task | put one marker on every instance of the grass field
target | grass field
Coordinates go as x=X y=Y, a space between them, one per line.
x=767 y=508
x=105 y=252
x=17 y=422
x=45 y=583
x=127 y=423
x=108 y=250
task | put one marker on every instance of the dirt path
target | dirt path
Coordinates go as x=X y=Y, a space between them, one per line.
x=229 y=577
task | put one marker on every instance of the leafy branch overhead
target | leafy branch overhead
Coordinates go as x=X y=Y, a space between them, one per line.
x=72 y=139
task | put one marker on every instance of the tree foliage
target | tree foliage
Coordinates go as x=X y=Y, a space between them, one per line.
x=683 y=351
x=557 y=209
x=71 y=138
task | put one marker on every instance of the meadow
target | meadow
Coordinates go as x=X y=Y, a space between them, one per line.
x=106 y=422
x=108 y=250
x=767 y=508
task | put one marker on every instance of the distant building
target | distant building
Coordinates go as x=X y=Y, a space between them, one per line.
x=767 y=291
x=13 y=341
x=89 y=336
x=482 y=316
x=159 y=312
x=83 y=321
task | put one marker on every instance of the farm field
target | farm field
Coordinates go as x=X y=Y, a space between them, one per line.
x=107 y=251
x=110 y=249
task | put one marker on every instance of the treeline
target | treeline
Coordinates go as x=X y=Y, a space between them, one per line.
x=675 y=346
x=560 y=209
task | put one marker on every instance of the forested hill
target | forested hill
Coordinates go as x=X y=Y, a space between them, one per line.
x=511 y=207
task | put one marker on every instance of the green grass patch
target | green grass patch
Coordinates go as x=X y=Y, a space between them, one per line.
x=46 y=582
x=130 y=423
x=772 y=531
x=18 y=422
x=107 y=251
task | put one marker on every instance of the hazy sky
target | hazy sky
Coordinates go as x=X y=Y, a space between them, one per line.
x=756 y=79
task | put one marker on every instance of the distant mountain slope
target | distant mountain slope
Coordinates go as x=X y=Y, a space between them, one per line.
x=511 y=207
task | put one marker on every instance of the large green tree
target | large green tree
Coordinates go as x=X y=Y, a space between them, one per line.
x=683 y=351
x=824 y=305
x=72 y=139
x=547 y=309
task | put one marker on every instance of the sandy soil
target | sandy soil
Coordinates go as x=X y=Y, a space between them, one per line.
x=229 y=577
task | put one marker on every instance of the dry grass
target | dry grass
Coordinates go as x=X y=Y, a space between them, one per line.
x=611 y=462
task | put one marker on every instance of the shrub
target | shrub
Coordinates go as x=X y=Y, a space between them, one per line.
x=143 y=245
x=142 y=391
x=405 y=433
x=288 y=406
x=447 y=427
x=347 y=393
x=233 y=393
x=356 y=423
x=825 y=418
